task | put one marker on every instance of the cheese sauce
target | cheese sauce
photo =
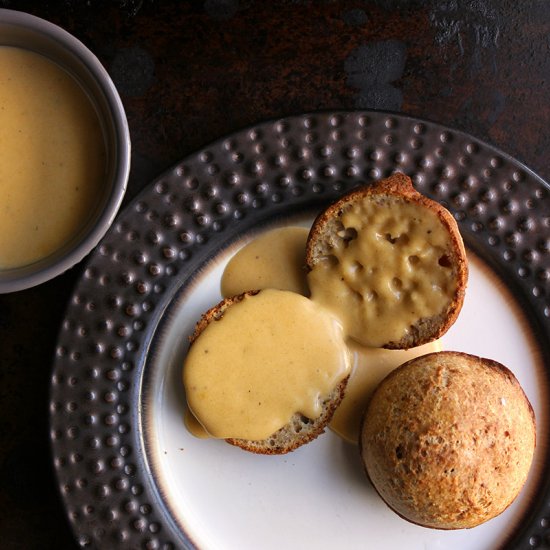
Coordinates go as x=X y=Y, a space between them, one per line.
x=273 y=260
x=370 y=367
x=393 y=255
x=193 y=425
x=274 y=355
x=52 y=157
x=275 y=257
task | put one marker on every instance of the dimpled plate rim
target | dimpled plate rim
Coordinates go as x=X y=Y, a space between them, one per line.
x=199 y=207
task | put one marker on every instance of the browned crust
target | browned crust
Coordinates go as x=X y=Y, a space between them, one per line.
x=400 y=185
x=216 y=312
x=286 y=439
x=460 y=355
x=455 y=356
x=311 y=428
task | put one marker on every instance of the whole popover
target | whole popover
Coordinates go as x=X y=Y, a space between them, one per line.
x=448 y=440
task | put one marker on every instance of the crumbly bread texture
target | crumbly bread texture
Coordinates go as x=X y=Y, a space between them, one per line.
x=300 y=430
x=448 y=440
x=329 y=241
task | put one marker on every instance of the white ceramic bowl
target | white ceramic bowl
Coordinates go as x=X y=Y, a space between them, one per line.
x=26 y=31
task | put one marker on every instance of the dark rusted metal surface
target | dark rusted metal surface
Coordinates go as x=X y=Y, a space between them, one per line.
x=191 y=72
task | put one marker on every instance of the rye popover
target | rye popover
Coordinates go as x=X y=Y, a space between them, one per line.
x=266 y=370
x=390 y=263
x=448 y=440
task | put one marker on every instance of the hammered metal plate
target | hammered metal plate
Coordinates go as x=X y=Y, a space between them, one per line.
x=202 y=205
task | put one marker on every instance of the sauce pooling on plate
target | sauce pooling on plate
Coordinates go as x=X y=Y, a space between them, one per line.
x=370 y=367
x=52 y=157
x=273 y=260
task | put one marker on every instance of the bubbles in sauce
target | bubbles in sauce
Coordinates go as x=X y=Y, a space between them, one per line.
x=370 y=283
x=52 y=157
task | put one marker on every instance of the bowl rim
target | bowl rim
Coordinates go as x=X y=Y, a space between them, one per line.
x=21 y=278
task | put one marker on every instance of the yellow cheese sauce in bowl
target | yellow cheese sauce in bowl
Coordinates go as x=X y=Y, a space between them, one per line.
x=52 y=157
x=64 y=151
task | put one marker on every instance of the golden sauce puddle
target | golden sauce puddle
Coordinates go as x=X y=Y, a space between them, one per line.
x=272 y=260
x=52 y=157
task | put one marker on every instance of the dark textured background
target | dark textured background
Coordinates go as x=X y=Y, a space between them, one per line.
x=190 y=72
